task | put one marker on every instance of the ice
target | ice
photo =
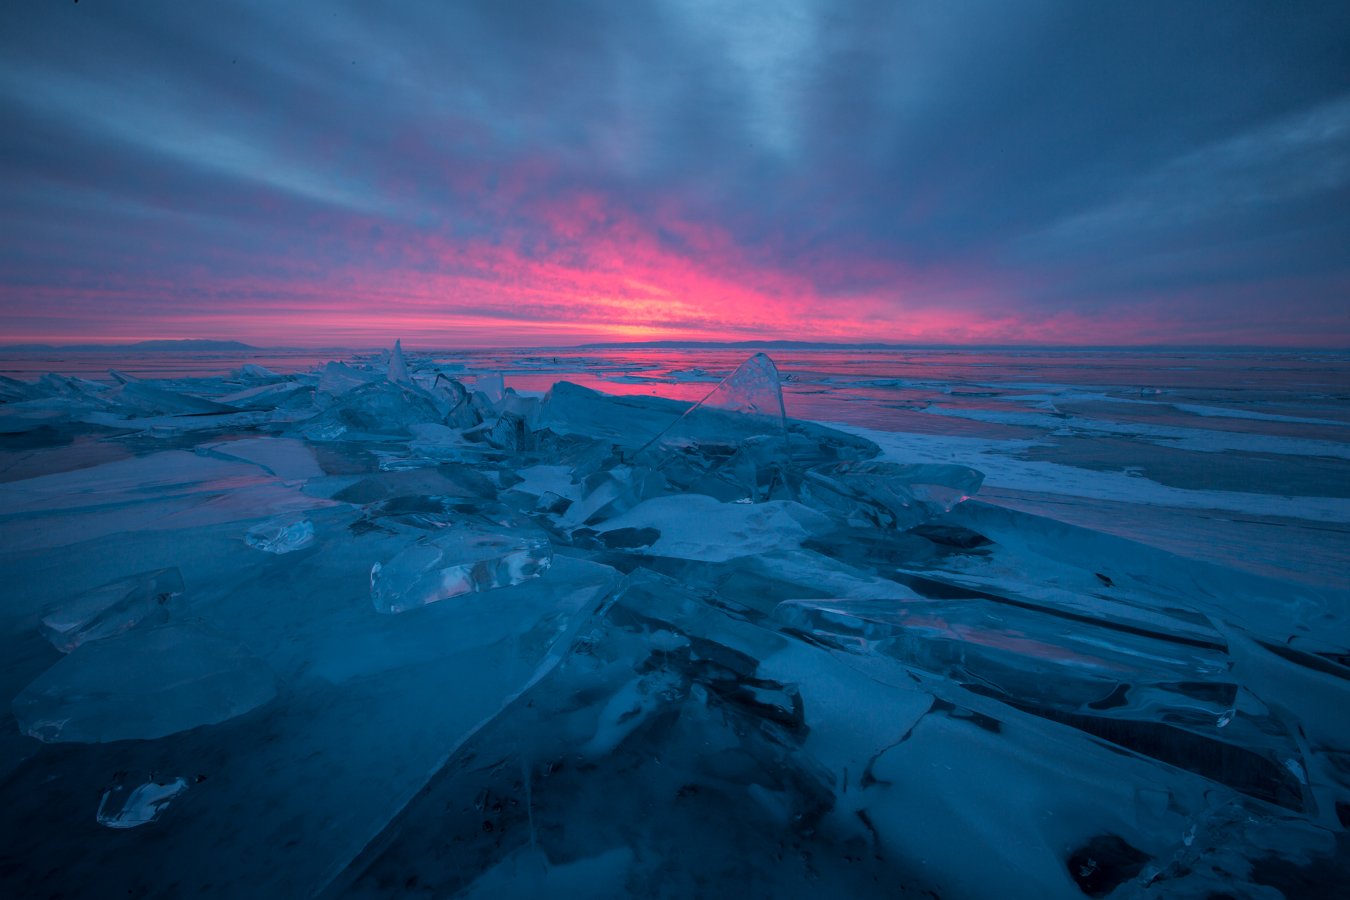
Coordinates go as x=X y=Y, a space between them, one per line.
x=338 y=378
x=445 y=480
x=736 y=444
x=398 y=367
x=111 y=609
x=604 y=495
x=270 y=396
x=281 y=535
x=1078 y=673
x=13 y=390
x=888 y=495
x=754 y=389
x=144 y=804
x=453 y=402
x=647 y=647
x=144 y=399
x=511 y=432
x=373 y=411
x=143 y=684
x=737 y=432
x=254 y=372
x=694 y=526
x=491 y=386
x=627 y=422
x=462 y=559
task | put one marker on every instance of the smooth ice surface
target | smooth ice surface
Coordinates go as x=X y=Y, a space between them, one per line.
x=143 y=684
x=460 y=560
x=121 y=808
x=111 y=608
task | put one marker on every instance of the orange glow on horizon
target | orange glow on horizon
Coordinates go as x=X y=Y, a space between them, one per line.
x=601 y=274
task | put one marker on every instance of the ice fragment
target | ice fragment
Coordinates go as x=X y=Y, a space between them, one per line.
x=143 y=684
x=140 y=807
x=280 y=535
x=872 y=493
x=460 y=560
x=398 y=366
x=111 y=608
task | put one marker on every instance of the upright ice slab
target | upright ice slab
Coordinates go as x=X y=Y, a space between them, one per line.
x=492 y=386
x=143 y=684
x=398 y=366
x=749 y=401
x=462 y=559
x=111 y=608
x=733 y=444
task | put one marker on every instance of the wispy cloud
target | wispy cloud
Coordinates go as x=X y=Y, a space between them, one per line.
x=319 y=172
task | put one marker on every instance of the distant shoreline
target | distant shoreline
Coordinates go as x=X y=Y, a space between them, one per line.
x=212 y=346
x=157 y=346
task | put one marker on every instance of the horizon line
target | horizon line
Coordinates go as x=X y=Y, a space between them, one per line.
x=204 y=345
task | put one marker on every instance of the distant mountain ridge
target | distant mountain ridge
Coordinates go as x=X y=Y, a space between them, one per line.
x=742 y=345
x=156 y=345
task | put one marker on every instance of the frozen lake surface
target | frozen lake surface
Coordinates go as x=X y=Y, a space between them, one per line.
x=673 y=623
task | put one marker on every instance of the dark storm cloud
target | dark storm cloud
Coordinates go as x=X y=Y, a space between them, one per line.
x=1018 y=160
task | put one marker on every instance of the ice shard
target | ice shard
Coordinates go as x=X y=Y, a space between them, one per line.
x=338 y=378
x=373 y=411
x=122 y=809
x=398 y=367
x=146 y=399
x=510 y=432
x=748 y=401
x=626 y=422
x=608 y=493
x=452 y=399
x=271 y=395
x=734 y=443
x=144 y=684
x=280 y=535
x=491 y=386
x=888 y=495
x=111 y=608
x=461 y=559
x=14 y=391
x=254 y=372
x=1169 y=698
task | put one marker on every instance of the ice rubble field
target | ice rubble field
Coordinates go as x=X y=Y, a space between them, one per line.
x=384 y=629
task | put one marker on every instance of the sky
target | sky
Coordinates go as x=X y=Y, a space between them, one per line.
x=509 y=173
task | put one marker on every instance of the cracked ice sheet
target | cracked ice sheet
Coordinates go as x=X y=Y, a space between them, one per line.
x=168 y=490
x=287 y=458
x=1203 y=440
x=1301 y=539
x=938 y=788
x=994 y=458
x=370 y=707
